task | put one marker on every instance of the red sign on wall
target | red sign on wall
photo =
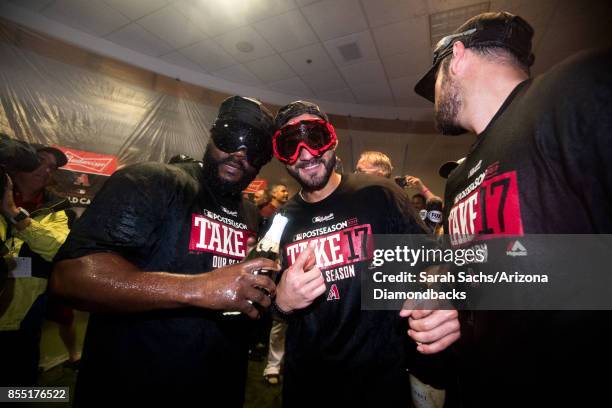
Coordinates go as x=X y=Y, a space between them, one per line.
x=88 y=162
x=256 y=185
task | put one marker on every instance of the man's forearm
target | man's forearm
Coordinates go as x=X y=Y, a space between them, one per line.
x=106 y=282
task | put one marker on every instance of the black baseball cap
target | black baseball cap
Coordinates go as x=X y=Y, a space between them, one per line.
x=244 y=123
x=295 y=109
x=248 y=111
x=17 y=155
x=492 y=29
x=60 y=157
x=445 y=170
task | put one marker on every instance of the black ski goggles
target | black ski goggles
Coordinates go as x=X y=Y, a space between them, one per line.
x=315 y=135
x=232 y=136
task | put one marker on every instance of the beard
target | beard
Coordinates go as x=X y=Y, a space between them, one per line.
x=314 y=182
x=210 y=169
x=447 y=107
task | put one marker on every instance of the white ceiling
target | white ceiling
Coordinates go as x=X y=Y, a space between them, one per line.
x=293 y=45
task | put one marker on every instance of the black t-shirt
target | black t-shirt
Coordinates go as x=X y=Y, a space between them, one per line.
x=336 y=353
x=543 y=165
x=164 y=218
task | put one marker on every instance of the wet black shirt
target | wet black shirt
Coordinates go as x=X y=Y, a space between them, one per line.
x=336 y=353
x=164 y=218
x=542 y=166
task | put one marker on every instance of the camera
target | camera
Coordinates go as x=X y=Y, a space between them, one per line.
x=400 y=181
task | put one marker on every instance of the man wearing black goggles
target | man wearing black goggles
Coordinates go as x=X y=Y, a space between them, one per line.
x=241 y=143
x=232 y=136
x=174 y=239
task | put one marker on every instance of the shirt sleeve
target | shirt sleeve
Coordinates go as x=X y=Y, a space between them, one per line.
x=581 y=125
x=124 y=215
x=45 y=236
x=400 y=216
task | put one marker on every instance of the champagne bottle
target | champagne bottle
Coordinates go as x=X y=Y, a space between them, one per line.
x=268 y=247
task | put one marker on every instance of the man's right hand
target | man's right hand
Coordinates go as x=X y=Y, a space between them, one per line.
x=235 y=287
x=301 y=283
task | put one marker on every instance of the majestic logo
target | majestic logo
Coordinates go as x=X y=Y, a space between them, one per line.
x=323 y=218
x=475 y=168
x=333 y=293
x=229 y=212
x=515 y=248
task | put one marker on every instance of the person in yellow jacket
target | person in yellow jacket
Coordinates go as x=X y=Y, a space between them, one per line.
x=33 y=227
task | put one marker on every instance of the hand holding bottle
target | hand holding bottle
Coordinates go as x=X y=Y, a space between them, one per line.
x=432 y=330
x=236 y=288
x=267 y=248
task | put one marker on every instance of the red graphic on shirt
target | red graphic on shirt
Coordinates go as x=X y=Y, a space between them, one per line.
x=213 y=236
x=490 y=211
x=333 y=293
x=338 y=248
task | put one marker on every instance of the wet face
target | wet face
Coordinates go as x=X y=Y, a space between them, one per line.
x=448 y=103
x=280 y=194
x=228 y=173
x=40 y=178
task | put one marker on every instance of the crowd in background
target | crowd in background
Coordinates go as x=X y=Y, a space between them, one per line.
x=160 y=258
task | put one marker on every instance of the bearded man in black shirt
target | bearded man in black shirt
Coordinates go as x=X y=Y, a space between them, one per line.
x=156 y=259
x=541 y=164
x=336 y=353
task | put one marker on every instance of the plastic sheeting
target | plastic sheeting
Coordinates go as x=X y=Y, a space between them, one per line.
x=56 y=103
x=79 y=100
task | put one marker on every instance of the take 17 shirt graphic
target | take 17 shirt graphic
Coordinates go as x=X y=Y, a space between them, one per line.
x=337 y=248
x=486 y=208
